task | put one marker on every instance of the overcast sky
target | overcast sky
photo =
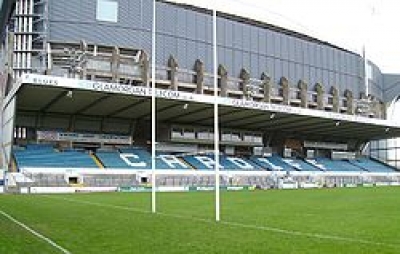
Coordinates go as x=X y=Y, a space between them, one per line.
x=347 y=23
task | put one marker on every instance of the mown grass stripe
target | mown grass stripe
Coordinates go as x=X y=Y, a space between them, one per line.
x=35 y=233
x=236 y=224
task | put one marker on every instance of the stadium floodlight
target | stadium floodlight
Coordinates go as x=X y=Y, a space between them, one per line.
x=153 y=112
x=216 y=129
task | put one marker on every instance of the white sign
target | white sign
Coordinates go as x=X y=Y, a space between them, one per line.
x=84 y=137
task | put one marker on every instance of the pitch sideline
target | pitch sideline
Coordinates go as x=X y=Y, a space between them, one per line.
x=35 y=233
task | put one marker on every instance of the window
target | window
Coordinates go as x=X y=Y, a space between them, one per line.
x=107 y=10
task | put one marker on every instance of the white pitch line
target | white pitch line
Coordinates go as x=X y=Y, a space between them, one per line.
x=240 y=225
x=35 y=233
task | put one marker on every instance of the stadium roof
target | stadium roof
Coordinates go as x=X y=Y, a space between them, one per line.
x=61 y=96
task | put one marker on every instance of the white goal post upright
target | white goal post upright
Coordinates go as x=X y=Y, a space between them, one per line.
x=153 y=112
x=216 y=129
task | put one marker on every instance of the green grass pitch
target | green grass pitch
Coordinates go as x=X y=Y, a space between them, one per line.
x=356 y=220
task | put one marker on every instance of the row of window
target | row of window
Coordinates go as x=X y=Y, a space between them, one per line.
x=208 y=134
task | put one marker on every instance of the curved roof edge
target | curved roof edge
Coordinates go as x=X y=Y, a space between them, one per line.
x=258 y=23
x=6 y=7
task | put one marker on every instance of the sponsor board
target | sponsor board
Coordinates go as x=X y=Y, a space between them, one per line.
x=60 y=190
x=134 y=189
x=182 y=189
x=227 y=188
x=83 y=137
x=382 y=184
x=350 y=185
x=148 y=189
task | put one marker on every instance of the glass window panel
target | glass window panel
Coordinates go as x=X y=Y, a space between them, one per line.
x=107 y=10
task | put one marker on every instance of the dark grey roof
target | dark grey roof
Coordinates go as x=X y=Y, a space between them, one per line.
x=54 y=101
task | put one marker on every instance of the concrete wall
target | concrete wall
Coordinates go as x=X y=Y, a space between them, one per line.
x=391 y=86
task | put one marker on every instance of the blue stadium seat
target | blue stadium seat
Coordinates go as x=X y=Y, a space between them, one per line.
x=207 y=162
x=140 y=159
x=274 y=162
x=44 y=156
x=371 y=165
x=300 y=165
x=327 y=164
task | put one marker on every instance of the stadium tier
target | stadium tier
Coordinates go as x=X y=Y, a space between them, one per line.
x=371 y=165
x=45 y=156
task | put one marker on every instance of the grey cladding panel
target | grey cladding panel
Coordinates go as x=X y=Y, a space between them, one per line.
x=190 y=25
x=254 y=67
x=246 y=38
x=270 y=44
x=241 y=45
x=300 y=73
x=277 y=70
x=160 y=57
x=238 y=36
x=201 y=32
x=181 y=23
x=191 y=53
x=147 y=13
x=221 y=32
x=201 y=52
x=182 y=54
x=209 y=59
x=284 y=47
x=65 y=10
x=262 y=42
x=238 y=61
x=245 y=63
x=285 y=69
x=291 y=51
x=262 y=63
x=228 y=33
x=270 y=68
x=277 y=45
x=254 y=39
x=292 y=72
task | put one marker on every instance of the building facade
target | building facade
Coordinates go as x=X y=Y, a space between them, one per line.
x=185 y=32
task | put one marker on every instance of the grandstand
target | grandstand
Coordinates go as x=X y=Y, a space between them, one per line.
x=76 y=107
